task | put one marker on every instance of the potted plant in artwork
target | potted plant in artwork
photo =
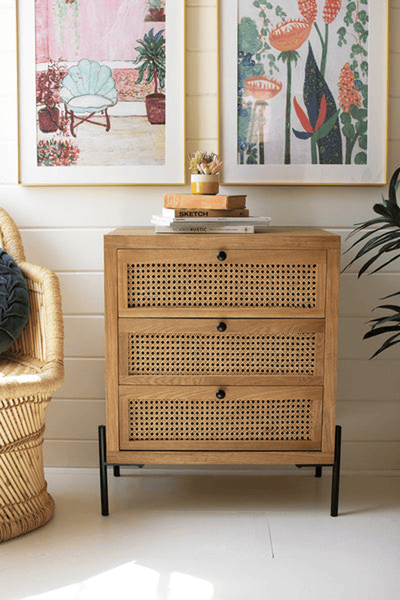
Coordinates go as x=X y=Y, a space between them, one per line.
x=48 y=85
x=151 y=61
x=380 y=241
x=156 y=10
x=205 y=168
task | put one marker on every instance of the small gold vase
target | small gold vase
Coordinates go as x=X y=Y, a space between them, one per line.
x=204 y=184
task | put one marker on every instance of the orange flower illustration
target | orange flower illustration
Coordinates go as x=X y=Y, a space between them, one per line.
x=290 y=35
x=331 y=10
x=348 y=93
x=262 y=88
x=308 y=9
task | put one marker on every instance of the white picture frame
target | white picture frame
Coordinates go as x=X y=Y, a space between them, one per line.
x=123 y=162
x=301 y=170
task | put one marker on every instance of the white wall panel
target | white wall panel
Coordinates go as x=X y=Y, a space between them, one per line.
x=74 y=419
x=84 y=336
x=65 y=249
x=84 y=378
x=358 y=297
x=374 y=420
x=368 y=380
x=82 y=293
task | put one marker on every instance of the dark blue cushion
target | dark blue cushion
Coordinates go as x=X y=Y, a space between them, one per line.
x=14 y=301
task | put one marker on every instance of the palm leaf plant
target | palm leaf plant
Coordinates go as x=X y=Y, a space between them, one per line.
x=151 y=62
x=380 y=241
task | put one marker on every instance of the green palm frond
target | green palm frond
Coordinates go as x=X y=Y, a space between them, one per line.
x=384 y=325
x=385 y=234
x=380 y=239
x=151 y=57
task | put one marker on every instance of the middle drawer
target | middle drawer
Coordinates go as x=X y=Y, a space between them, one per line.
x=221 y=351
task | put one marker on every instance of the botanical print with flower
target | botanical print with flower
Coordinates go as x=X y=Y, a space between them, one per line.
x=303 y=82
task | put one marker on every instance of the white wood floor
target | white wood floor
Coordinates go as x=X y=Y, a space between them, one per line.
x=218 y=536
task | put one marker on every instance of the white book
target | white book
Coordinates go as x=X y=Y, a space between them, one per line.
x=204 y=229
x=224 y=221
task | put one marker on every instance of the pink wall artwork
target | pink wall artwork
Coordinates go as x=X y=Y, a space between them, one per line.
x=100 y=82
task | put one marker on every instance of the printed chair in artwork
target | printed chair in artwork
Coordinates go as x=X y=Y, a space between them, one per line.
x=88 y=90
x=31 y=369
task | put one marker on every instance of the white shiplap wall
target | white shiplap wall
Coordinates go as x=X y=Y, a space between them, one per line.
x=63 y=229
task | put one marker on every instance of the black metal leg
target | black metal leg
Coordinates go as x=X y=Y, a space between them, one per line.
x=103 y=471
x=336 y=472
x=318 y=471
x=117 y=471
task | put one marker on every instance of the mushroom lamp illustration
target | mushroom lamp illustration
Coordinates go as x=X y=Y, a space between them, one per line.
x=261 y=89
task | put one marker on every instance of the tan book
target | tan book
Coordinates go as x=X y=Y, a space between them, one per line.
x=204 y=201
x=198 y=213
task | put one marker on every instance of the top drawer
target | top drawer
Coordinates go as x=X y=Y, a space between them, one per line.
x=161 y=282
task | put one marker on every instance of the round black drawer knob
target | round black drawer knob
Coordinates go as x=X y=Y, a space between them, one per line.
x=221 y=326
x=221 y=255
x=220 y=394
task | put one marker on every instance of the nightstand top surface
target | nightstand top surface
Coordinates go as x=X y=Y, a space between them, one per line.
x=274 y=237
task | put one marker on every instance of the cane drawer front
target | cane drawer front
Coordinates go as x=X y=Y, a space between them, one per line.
x=187 y=282
x=210 y=418
x=221 y=351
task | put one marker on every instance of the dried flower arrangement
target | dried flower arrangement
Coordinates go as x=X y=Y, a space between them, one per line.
x=203 y=163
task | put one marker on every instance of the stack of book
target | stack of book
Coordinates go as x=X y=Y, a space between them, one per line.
x=196 y=213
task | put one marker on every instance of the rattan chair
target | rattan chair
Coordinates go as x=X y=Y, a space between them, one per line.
x=30 y=371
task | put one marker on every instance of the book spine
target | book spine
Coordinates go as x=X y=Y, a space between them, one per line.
x=201 y=213
x=203 y=201
x=204 y=229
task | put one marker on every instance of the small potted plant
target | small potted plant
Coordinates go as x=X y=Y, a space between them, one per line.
x=151 y=59
x=48 y=85
x=156 y=10
x=205 y=168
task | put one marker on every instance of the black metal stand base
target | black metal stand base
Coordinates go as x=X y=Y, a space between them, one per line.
x=103 y=470
x=335 y=471
x=116 y=469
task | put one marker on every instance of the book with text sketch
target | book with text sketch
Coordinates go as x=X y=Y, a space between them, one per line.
x=204 y=201
x=199 y=213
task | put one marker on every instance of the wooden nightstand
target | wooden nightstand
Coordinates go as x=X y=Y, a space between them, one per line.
x=221 y=349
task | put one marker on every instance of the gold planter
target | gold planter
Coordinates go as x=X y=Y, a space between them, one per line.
x=205 y=184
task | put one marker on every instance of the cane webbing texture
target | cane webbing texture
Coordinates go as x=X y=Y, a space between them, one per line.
x=32 y=369
x=185 y=285
x=281 y=419
x=231 y=354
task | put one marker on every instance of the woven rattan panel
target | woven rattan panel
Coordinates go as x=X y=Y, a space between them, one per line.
x=232 y=354
x=221 y=420
x=222 y=285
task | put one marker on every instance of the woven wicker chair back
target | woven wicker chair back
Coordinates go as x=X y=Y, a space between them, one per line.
x=31 y=370
x=10 y=237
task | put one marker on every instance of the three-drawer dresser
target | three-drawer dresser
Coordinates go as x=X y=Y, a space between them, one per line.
x=221 y=349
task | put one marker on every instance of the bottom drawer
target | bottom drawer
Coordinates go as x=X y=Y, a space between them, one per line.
x=209 y=418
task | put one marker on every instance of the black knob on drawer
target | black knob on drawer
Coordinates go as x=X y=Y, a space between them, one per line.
x=221 y=255
x=221 y=326
x=220 y=394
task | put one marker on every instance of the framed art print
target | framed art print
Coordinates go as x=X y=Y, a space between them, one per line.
x=303 y=91
x=101 y=91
